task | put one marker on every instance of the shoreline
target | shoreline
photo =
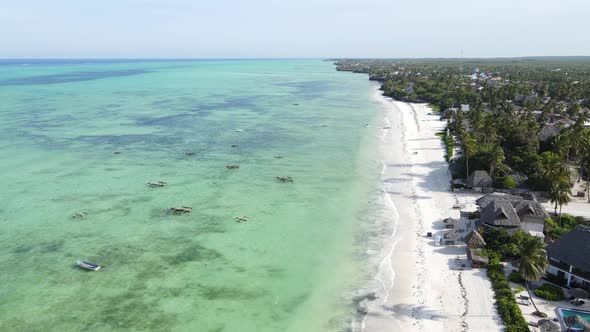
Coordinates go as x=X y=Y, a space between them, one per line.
x=418 y=285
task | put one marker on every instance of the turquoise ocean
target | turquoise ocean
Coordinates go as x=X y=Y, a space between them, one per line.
x=294 y=265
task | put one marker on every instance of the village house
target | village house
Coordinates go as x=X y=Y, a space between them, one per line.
x=569 y=257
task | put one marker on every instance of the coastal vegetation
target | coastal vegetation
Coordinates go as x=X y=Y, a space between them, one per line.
x=549 y=292
x=554 y=229
x=505 y=301
x=525 y=121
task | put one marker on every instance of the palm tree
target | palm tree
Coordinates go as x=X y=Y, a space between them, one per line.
x=496 y=160
x=533 y=262
x=469 y=150
x=559 y=193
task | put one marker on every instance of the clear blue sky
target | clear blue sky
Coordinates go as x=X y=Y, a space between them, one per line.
x=293 y=28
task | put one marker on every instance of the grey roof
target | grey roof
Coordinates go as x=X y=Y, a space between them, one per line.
x=530 y=208
x=487 y=199
x=572 y=248
x=479 y=179
x=500 y=213
x=472 y=255
x=474 y=240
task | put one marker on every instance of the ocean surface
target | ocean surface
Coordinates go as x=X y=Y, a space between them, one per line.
x=294 y=265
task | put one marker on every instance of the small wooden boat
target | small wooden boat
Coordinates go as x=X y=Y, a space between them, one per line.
x=117 y=152
x=182 y=209
x=235 y=145
x=232 y=166
x=284 y=178
x=241 y=219
x=279 y=157
x=78 y=215
x=190 y=153
x=88 y=266
x=156 y=183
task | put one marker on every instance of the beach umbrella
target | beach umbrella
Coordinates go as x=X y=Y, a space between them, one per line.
x=450 y=235
x=578 y=293
x=577 y=321
x=548 y=326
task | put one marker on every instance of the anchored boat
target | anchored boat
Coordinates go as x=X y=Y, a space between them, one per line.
x=88 y=266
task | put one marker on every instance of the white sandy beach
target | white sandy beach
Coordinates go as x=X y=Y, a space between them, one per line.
x=421 y=286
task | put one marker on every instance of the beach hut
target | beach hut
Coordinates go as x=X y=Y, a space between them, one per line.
x=480 y=181
x=474 y=240
x=476 y=260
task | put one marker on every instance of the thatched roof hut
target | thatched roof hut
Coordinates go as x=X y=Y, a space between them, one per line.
x=476 y=260
x=480 y=179
x=474 y=240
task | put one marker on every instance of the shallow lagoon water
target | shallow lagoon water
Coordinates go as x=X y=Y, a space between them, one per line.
x=291 y=267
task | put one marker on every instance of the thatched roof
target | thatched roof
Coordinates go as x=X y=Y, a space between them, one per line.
x=573 y=248
x=530 y=208
x=474 y=240
x=483 y=201
x=500 y=213
x=473 y=256
x=479 y=179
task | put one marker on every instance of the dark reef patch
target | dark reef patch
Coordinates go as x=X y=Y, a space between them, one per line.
x=174 y=121
x=71 y=77
x=309 y=89
x=193 y=253
x=130 y=311
x=40 y=248
x=130 y=139
x=233 y=293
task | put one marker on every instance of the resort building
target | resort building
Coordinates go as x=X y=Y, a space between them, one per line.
x=569 y=257
x=512 y=213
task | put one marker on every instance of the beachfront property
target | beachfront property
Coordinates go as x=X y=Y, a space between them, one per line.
x=512 y=213
x=569 y=257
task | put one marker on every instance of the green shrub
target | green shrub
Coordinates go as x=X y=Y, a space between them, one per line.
x=515 y=277
x=505 y=302
x=507 y=182
x=549 y=292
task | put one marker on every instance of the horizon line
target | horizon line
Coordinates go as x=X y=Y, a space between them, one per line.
x=291 y=58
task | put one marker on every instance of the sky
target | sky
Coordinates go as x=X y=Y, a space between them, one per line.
x=292 y=28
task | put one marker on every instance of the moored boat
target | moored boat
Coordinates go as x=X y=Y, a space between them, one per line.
x=88 y=266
